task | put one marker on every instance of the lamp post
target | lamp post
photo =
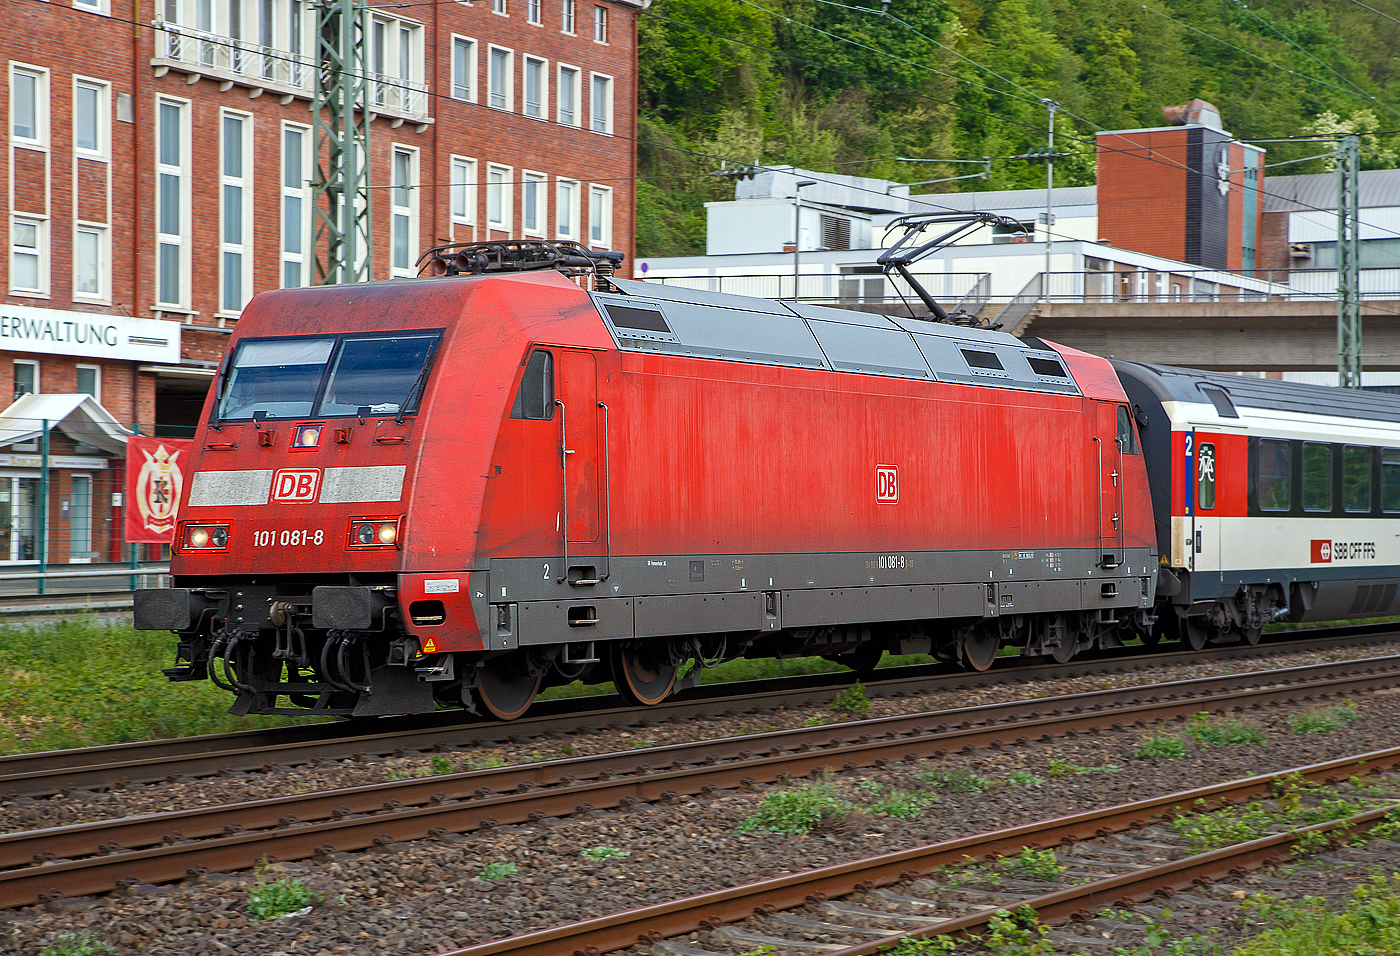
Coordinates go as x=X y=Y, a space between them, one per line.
x=1052 y=106
x=797 y=234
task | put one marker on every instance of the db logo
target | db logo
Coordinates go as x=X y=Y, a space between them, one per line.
x=886 y=484
x=1322 y=552
x=296 y=484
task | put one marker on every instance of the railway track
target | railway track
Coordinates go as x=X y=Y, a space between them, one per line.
x=89 y=858
x=42 y=774
x=1117 y=851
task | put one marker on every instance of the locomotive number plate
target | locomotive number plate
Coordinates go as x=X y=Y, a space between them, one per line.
x=288 y=538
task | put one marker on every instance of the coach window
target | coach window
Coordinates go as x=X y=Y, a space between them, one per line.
x=1275 y=472
x=1317 y=476
x=1205 y=476
x=535 y=399
x=1356 y=478
x=1390 y=480
x=1127 y=441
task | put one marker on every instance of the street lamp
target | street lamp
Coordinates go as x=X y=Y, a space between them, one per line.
x=797 y=233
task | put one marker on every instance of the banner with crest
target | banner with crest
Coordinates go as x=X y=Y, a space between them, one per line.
x=155 y=475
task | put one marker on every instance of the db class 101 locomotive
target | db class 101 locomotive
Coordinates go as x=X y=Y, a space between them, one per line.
x=460 y=489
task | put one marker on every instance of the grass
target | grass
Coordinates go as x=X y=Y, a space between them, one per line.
x=1156 y=748
x=600 y=853
x=1322 y=721
x=280 y=897
x=852 y=701
x=1063 y=768
x=1367 y=922
x=797 y=811
x=84 y=684
x=1022 y=778
x=959 y=780
x=76 y=944
x=496 y=870
x=1207 y=729
x=903 y=804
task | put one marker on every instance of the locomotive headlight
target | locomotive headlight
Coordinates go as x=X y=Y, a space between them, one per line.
x=205 y=537
x=199 y=537
x=388 y=532
x=218 y=537
x=364 y=533
x=373 y=533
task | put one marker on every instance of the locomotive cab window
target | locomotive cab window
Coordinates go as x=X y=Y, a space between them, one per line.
x=1390 y=480
x=1127 y=438
x=1275 y=475
x=1356 y=479
x=1205 y=476
x=1317 y=476
x=535 y=398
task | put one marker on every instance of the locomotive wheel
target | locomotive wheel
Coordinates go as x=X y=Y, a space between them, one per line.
x=1193 y=633
x=639 y=675
x=979 y=647
x=1252 y=635
x=506 y=686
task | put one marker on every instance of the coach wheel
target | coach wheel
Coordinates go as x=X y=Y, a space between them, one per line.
x=640 y=674
x=1193 y=633
x=506 y=686
x=979 y=647
x=1252 y=635
x=862 y=660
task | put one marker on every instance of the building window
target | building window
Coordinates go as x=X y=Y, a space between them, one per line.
x=533 y=211
x=600 y=104
x=600 y=215
x=236 y=213
x=464 y=69
x=90 y=381
x=172 y=203
x=94 y=6
x=296 y=206
x=405 y=211
x=396 y=65
x=28 y=252
x=568 y=96
x=29 y=105
x=600 y=24
x=566 y=16
x=566 y=209
x=536 y=87
x=499 y=6
x=499 y=81
x=532 y=11
x=26 y=378
x=463 y=191
x=91 y=118
x=90 y=262
x=498 y=198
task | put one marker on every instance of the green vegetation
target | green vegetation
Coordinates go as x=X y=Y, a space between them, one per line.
x=1154 y=748
x=271 y=900
x=1034 y=865
x=496 y=870
x=904 y=804
x=1063 y=768
x=1224 y=827
x=955 y=780
x=84 y=684
x=1207 y=729
x=1322 y=721
x=1368 y=922
x=852 y=701
x=797 y=811
x=600 y=853
x=1022 y=778
x=76 y=944
x=441 y=764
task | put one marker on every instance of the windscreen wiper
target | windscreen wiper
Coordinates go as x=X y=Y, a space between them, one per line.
x=417 y=383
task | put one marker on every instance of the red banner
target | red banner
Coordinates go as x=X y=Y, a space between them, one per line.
x=155 y=475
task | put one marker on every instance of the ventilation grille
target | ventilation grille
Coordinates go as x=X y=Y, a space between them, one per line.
x=836 y=232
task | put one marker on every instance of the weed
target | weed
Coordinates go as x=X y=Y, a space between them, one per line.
x=1018 y=933
x=1212 y=730
x=1154 y=748
x=904 y=804
x=600 y=853
x=568 y=750
x=496 y=870
x=1310 y=842
x=959 y=780
x=441 y=764
x=852 y=700
x=816 y=720
x=1389 y=827
x=1034 y=864
x=487 y=763
x=643 y=744
x=1368 y=922
x=1322 y=721
x=869 y=786
x=76 y=944
x=1061 y=768
x=1023 y=778
x=797 y=811
x=924 y=946
x=761 y=951
x=279 y=898
x=1224 y=827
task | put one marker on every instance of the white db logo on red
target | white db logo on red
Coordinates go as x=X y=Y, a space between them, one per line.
x=296 y=484
x=887 y=484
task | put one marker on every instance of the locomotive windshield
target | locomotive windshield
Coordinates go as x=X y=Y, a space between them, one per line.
x=326 y=376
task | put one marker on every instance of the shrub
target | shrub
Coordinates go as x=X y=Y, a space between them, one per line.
x=496 y=870
x=271 y=900
x=600 y=853
x=852 y=700
x=797 y=812
x=1155 y=748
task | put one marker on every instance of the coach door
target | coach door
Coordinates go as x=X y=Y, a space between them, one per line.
x=580 y=420
x=1109 y=448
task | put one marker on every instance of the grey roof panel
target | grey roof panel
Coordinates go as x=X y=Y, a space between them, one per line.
x=720 y=300
x=847 y=316
x=856 y=348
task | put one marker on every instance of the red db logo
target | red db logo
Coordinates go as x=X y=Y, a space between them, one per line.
x=886 y=484
x=1322 y=552
x=300 y=484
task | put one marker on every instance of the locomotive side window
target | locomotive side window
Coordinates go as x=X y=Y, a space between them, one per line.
x=1356 y=479
x=1205 y=476
x=1317 y=476
x=1275 y=475
x=535 y=399
x=1390 y=480
x=1127 y=441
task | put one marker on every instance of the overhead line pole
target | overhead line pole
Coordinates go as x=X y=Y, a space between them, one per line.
x=1051 y=106
x=340 y=109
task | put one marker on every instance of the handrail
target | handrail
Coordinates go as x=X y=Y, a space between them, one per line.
x=564 y=453
x=607 y=498
x=1098 y=494
x=116 y=571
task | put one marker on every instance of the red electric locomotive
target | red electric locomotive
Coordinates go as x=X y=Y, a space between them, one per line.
x=463 y=488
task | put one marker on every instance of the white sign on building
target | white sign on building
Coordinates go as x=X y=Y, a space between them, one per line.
x=88 y=334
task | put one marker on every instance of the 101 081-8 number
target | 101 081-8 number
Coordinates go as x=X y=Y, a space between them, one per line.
x=288 y=538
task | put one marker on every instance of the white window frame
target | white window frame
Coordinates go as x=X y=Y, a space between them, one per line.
x=575 y=102
x=534 y=12
x=600 y=200
x=471 y=68
x=536 y=184
x=40 y=252
x=508 y=95
x=243 y=248
x=498 y=7
x=34 y=364
x=181 y=172
x=97 y=380
x=567 y=11
x=305 y=258
x=504 y=198
x=600 y=24
x=92 y=6
x=593 y=79
x=104 y=262
x=542 y=107
x=394 y=86
x=403 y=211
x=462 y=193
x=103 y=119
x=571 y=186
x=40 y=139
